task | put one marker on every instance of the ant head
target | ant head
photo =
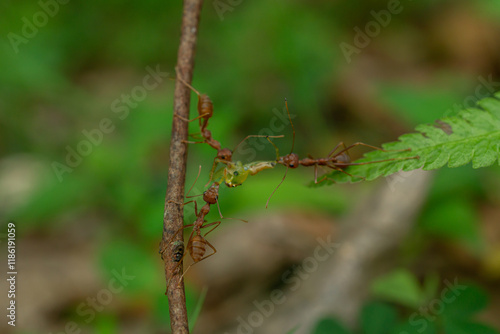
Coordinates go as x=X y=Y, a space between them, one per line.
x=225 y=154
x=210 y=196
x=291 y=160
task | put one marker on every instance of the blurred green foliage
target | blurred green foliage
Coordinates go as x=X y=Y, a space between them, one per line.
x=66 y=78
x=449 y=310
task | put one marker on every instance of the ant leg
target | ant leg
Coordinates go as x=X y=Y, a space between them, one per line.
x=187 y=194
x=385 y=160
x=276 y=148
x=213 y=248
x=336 y=148
x=178 y=203
x=203 y=258
x=278 y=154
x=212 y=171
x=196 y=135
x=221 y=217
x=165 y=245
x=213 y=228
x=291 y=123
x=178 y=265
x=343 y=171
x=192 y=142
x=173 y=271
x=283 y=179
x=185 y=83
x=369 y=146
x=194 y=119
x=257 y=136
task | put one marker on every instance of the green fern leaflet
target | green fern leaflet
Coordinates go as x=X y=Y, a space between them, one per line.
x=472 y=135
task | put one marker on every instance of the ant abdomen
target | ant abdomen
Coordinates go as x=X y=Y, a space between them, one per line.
x=197 y=248
x=205 y=109
x=342 y=159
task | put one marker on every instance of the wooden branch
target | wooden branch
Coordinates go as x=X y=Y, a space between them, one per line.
x=172 y=242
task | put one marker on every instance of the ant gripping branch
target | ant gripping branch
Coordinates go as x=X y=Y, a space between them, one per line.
x=197 y=243
x=205 y=106
x=205 y=112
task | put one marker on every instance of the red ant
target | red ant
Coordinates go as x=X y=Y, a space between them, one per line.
x=205 y=107
x=335 y=160
x=205 y=112
x=197 y=244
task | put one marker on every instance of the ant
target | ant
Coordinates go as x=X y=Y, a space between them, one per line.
x=197 y=243
x=335 y=160
x=205 y=107
x=205 y=112
x=235 y=173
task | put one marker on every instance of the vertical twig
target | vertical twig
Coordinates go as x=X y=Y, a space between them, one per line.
x=173 y=216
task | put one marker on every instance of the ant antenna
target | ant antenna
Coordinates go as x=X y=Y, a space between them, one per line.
x=291 y=123
x=289 y=155
x=184 y=82
x=199 y=172
x=256 y=136
x=283 y=179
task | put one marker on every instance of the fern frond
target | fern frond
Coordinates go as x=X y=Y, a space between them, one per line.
x=471 y=135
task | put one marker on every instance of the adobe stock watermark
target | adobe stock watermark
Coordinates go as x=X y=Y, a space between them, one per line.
x=435 y=307
x=486 y=87
x=87 y=310
x=223 y=6
x=398 y=177
x=292 y=280
x=29 y=30
x=363 y=37
x=121 y=107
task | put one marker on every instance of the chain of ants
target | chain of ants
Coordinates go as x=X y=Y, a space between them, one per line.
x=197 y=243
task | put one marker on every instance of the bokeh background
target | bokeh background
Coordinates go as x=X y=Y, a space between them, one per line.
x=104 y=215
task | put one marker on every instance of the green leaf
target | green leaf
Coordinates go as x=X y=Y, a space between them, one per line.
x=418 y=326
x=407 y=101
x=134 y=265
x=452 y=218
x=467 y=327
x=328 y=326
x=400 y=286
x=462 y=300
x=378 y=318
x=106 y=324
x=430 y=286
x=471 y=136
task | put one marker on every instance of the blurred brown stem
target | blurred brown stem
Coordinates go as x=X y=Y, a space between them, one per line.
x=173 y=216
